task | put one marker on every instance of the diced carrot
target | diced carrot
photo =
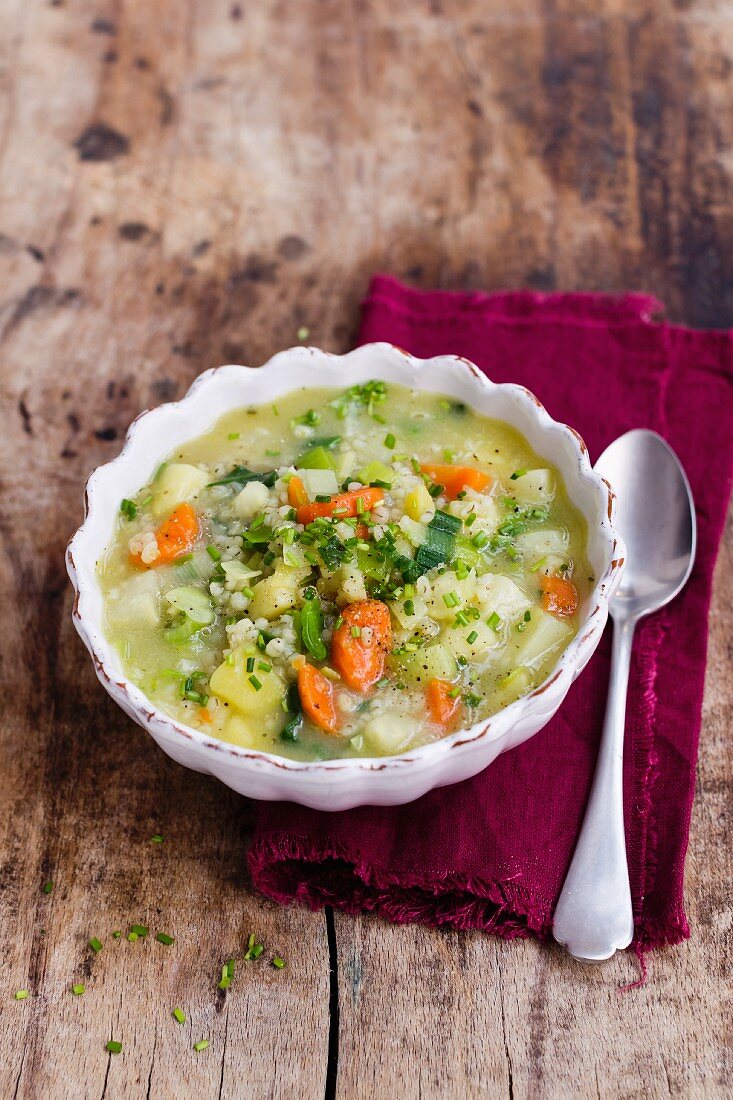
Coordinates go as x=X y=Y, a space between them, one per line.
x=456 y=478
x=443 y=707
x=345 y=504
x=361 y=531
x=175 y=536
x=205 y=715
x=316 y=698
x=559 y=596
x=361 y=644
x=297 y=495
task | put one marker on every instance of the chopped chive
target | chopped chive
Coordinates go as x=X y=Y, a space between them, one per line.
x=128 y=508
x=95 y=944
x=213 y=553
x=116 y=935
x=113 y=1047
x=461 y=619
x=461 y=495
x=278 y=962
x=140 y=929
x=271 y=454
x=275 y=410
x=379 y=418
x=470 y=520
x=448 y=455
x=390 y=441
x=518 y=474
x=201 y=1045
x=454 y=692
x=449 y=599
x=303 y=333
x=257 y=950
x=480 y=539
x=339 y=622
x=538 y=564
x=472 y=700
x=156 y=838
x=250 y=664
x=356 y=632
x=264 y=667
x=471 y=638
x=409 y=607
x=132 y=937
x=233 y=435
x=248 y=592
x=78 y=990
x=48 y=887
x=493 y=621
x=180 y=1015
x=527 y=616
x=163 y=937
x=360 y=506
x=21 y=994
x=256 y=684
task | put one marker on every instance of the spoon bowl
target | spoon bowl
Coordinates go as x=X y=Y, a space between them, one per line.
x=655 y=516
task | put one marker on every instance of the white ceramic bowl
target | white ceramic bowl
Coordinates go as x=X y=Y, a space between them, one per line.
x=340 y=784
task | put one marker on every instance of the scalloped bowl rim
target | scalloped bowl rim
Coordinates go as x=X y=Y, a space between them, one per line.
x=82 y=570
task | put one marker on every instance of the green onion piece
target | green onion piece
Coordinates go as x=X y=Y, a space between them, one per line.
x=132 y=937
x=248 y=592
x=472 y=700
x=454 y=692
x=213 y=553
x=390 y=441
x=493 y=621
x=256 y=684
x=116 y=935
x=518 y=474
x=409 y=607
x=278 y=962
x=113 y=1047
x=356 y=632
x=480 y=539
x=128 y=508
x=78 y=990
x=180 y=1015
x=303 y=333
x=95 y=944
x=21 y=994
x=264 y=667
x=140 y=929
x=257 y=950
x=156 y=838
x=233 y=435
x=527 y=616
x=538 y=564
x=48 y=887
x=471 y=638
x=250 y=664
x=163 y=937
x=379 y=418
x=461 y=619
x=201 y=1045
x=470 y=520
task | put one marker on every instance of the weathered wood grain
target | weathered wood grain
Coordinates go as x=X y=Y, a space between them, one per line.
x=184 y=184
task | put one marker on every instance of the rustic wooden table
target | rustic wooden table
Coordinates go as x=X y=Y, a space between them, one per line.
x=187 y=183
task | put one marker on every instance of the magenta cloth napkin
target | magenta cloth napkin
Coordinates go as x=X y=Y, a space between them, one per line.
x=492 y=852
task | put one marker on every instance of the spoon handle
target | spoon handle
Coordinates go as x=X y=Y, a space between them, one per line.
x=593 y=917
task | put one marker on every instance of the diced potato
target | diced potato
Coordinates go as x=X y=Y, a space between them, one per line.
x=446 y=584
x=319 y=483
x=232 y=684
x=486 y=640
x=409 y=622
x=277 y=593
x=534 y=487
x=544 y=634
x=548 y=546
x=495 y=592
x=389 y=733
x=345 y=585
x=251 y=500
x=432 y=662
x=177 y=483
x=137 y=601
x=419 y=501
x=413 y=531
x=237 y=731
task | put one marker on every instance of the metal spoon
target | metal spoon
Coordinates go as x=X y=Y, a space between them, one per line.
x=656 y=518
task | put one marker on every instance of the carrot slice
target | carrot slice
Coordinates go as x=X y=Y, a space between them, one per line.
x=361 y=644
x=345 y=504
x=175 y=536
x=297 y=495
x=205 y=715
x=443 y=708
x=456 y=478
x=316 y=698
x=361 y=531
x=559 y=596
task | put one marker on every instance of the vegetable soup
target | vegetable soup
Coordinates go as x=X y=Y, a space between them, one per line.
x=345 y=573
